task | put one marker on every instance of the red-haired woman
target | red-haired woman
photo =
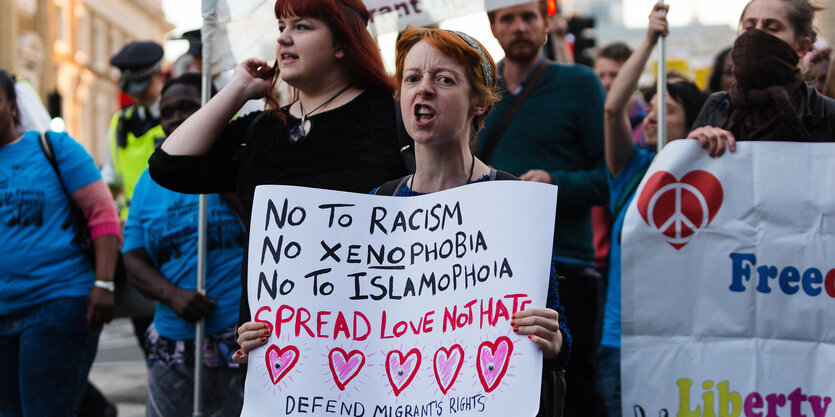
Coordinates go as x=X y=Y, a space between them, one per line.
x=338 y=134
x=447 y=86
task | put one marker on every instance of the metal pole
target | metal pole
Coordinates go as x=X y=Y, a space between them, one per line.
x=662 y=92
x=209 y=8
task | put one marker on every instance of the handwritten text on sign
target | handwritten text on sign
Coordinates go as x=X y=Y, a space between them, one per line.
x=387 y=306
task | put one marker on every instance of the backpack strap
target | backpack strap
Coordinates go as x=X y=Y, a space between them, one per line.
x=392 y=187
x=500 y=175
x=49 y=152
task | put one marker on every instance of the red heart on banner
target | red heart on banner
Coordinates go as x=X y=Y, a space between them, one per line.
x=680 y=208
x=345 y=366
x=401 y=369
x=281 y=361
x=447 y=364
x=492 y=360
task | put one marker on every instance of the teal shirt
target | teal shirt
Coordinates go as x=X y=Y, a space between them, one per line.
x=559 y=129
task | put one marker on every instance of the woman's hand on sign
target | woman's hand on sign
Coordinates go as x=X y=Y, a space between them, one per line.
x=250 y=336
x=542 y=326
x=714 y=139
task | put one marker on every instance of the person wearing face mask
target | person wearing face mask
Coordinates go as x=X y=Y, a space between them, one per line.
x=339 y=133
x=769 y=99
x=627 y=163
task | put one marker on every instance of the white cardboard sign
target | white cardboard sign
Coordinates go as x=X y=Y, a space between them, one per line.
x=394 y=306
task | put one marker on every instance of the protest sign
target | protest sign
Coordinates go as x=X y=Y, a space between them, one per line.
x=728 y=283
x=392 y=306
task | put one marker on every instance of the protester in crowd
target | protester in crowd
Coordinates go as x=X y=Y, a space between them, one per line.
x=338 y=134
x=769 y=100
x=722 y=76
x=454 y=91
x=554 y=136
x=818 y=66
x=160 y=252
x=134 y=132
x=627 y=165
x=53 y=298
x=34 y=116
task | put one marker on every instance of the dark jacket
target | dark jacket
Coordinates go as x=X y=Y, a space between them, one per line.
x=819 y=117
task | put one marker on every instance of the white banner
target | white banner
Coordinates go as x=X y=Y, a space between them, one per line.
x=247 y=28
x=728 y=283
x=394 y=306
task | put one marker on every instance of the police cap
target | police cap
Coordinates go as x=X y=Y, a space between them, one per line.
x=139 y=63
x=195 y=44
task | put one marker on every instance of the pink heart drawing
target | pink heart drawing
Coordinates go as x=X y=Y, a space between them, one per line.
x=345 y=366
x=447 y=364
x=401 y=369
x=492 y=359
x=280 y=361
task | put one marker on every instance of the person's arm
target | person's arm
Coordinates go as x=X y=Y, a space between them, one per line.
x=95 y=201
x=190 y=305
x=587 y=186
x=252 y=80
x=617 y=129
x=704 y=128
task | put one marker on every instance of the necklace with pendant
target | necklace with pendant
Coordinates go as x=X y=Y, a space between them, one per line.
x=299 y=131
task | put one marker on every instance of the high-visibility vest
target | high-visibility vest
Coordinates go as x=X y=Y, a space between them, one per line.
x=132 y=142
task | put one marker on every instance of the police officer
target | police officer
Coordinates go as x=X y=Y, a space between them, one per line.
x=135 y=130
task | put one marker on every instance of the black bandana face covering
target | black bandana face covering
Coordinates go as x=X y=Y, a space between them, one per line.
x=762 y=60
x=768 y=96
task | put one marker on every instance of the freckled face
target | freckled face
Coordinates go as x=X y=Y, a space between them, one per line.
x=436 y=98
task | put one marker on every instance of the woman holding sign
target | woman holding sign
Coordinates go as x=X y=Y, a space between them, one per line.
x=769 y=100
x=447 y=87
x=338 y=134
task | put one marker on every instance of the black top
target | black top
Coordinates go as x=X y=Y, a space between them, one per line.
x=818 y=115
x=351 y=148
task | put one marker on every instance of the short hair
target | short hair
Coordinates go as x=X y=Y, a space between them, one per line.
x=7 y=83
x=617 y=51
x=452 y=45
x=190 y=78
x=543 y=9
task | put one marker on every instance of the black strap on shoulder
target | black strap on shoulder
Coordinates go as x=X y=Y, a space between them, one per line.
x=486 y=153
x=407 y=148
x=49 y=152
x=122 y=128
x=392 y=187
x=500 y=175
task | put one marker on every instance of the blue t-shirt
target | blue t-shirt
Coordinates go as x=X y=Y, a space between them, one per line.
x=164 y=223
x=39 y=261
x=640 y=159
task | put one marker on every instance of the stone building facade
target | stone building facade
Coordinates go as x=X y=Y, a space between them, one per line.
x=66 y=45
